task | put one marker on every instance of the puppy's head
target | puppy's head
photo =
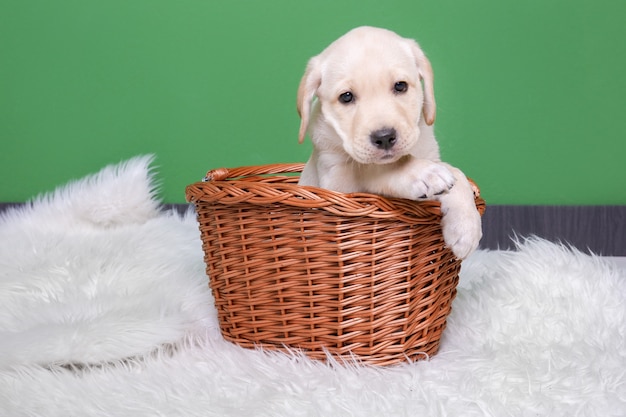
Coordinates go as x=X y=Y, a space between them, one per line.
x=369 y=87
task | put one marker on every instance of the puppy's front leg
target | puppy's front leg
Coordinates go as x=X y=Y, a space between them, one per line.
x=461 y=222
x=412 y=178
x=421 y=179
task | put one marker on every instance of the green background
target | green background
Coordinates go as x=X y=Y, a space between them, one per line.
x=531 y=94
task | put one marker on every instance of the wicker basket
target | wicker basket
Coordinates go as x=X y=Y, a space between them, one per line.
x=354 y=275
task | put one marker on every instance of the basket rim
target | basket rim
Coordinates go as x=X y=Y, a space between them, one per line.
x=264 y=185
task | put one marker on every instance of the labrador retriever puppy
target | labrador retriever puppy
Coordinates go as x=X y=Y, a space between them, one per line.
x=368 y=105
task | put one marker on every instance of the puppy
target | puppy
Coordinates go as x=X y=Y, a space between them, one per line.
x=370 y=119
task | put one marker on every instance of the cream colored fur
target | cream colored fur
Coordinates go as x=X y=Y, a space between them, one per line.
x=367 y=103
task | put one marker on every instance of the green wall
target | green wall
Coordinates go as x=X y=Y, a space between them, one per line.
x=531 y=94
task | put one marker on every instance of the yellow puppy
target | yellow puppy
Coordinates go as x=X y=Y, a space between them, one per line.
x=371 y=122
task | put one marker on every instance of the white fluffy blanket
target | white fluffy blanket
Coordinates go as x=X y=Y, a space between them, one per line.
x=105 y=310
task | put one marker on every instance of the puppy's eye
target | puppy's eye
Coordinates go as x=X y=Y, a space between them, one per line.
x=346 y=97
x=400 y=87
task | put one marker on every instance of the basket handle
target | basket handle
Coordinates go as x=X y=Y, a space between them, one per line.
x=221 y=174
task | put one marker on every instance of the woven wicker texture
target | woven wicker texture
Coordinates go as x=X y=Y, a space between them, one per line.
x=354 y=275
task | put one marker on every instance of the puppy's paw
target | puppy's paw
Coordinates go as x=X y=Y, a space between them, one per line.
x=431 y=181
x=462 y=230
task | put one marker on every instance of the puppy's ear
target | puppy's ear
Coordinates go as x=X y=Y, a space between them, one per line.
x=426 y=72
x=309 y=84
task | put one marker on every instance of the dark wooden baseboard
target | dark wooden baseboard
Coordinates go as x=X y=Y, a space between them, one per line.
x=597 y=229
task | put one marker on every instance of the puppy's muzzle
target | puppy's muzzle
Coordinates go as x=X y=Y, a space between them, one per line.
x=384 y=138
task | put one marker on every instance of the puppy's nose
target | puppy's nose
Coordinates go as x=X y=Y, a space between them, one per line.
x=383 y=138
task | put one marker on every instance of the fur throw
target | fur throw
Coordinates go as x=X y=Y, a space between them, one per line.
x=105 y=310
